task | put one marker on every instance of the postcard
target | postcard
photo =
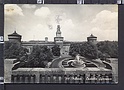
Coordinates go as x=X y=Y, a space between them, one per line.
x=61 y=43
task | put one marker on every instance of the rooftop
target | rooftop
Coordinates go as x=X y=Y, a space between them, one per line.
x=92 y=36
x=14 y=34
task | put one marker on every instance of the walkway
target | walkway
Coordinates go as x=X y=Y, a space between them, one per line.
x=57 y=63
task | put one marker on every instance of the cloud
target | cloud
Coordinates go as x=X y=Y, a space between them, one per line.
x=40 y=31
x=43 y=12
x=106 y=20
x=68 y=23
x=104 y=34
x=13 y=9
x=28 y=6
x=40 y=26
x=105 y=25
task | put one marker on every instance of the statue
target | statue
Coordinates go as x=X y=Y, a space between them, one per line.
x=78 y=58
x=78 y=62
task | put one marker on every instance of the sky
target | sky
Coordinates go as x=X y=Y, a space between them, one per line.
x=77 y=22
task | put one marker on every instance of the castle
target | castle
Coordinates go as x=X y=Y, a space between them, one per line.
x=58 y=40
x=67 y=75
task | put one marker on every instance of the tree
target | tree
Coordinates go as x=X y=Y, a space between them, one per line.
x=85 y=49
x=108 y=48
x=11 y=49
x=23 y=56
x=89 y=50
x=39 y=57
x=56 y=50
x=14 y=50
x=74 y=49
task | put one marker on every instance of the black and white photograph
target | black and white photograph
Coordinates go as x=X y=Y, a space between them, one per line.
x=68 y=44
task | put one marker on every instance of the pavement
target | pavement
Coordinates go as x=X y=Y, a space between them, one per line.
x=97 y=62
x=57 y=63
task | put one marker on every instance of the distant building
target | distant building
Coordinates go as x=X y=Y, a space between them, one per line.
x=58 y=40
x=92 y=39
x=14 y=37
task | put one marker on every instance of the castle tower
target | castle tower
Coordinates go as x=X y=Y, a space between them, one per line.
x=92 y=39
x=46 y=39
x=58 y=39
x=14 y=37
x=58 y=33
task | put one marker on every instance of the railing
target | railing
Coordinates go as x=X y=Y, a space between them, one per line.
x=40 y=75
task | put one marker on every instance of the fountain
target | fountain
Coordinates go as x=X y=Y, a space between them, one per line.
x=78 y=63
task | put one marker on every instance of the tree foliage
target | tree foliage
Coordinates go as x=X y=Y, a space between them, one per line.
x=85 y=49
x=14 y=50
x=101 y=50
x=56 y=50
x=39 y=57
x=108 y=48
x=74 y=49
x=89 y=50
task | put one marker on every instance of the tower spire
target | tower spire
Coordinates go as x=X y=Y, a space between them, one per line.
x=58 y=32
x=58 y=39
